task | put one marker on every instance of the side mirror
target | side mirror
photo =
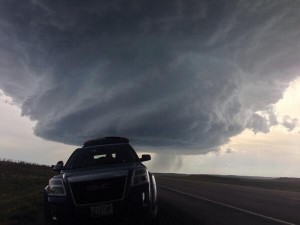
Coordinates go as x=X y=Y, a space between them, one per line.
x=58 y=167
x=145 y=158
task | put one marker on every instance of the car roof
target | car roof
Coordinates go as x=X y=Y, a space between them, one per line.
x=106 y=141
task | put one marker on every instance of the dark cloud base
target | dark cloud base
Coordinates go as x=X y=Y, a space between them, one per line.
x=183 y=75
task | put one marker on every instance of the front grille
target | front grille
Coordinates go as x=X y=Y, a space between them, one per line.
x=96 y=191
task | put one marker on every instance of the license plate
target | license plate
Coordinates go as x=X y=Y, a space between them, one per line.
x=102 y=210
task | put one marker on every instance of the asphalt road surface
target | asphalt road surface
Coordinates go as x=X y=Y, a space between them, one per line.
x=192 y=202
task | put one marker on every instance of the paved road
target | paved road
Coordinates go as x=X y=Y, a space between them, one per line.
x=191 y=202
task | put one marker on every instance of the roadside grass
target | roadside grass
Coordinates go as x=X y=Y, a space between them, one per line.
x=21 y=192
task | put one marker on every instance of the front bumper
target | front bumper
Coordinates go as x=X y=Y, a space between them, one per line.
x=136 y=204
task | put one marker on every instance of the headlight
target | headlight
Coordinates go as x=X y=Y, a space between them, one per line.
x=56 y=187
x=140 y=176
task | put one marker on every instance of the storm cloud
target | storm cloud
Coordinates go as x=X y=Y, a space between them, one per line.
x=182 y=75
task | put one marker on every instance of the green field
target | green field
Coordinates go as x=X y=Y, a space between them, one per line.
x=21 y=192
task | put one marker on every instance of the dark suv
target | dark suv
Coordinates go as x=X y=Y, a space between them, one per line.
x=104 y=180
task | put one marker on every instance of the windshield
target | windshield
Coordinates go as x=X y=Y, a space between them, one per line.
x=101 y=155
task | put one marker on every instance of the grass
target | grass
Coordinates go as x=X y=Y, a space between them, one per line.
x=21 y=194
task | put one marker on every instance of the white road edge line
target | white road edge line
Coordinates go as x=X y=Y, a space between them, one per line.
x=228 y=206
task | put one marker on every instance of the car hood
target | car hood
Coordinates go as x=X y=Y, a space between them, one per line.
x=99 y=172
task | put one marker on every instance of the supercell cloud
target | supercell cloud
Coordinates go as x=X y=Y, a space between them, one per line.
x=184 y=75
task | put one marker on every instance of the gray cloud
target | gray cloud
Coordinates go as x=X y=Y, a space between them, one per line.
x=263 y=120
x=272 y=118
x=289 y=123
x=229 y=151
x=183 y=75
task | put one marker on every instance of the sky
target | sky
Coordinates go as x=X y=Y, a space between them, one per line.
x=205 y=86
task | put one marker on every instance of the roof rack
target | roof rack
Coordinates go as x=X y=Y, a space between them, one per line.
x=106 y=141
